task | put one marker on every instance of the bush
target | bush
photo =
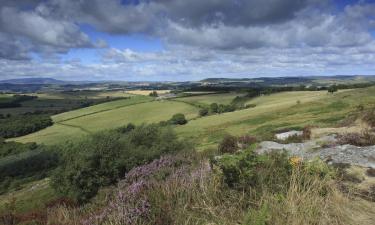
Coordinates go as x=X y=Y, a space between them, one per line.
x=102 y=159
x=228 y=144
x=127 y=128
x=153 y=94
x=203 y=112
x=332 y=89
x=178 y=119
x=246 y=140
x=247 y=169
x=214 y=108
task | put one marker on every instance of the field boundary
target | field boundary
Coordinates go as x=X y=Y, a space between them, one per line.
x=104 y=110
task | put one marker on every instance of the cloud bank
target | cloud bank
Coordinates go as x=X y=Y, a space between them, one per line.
x=212 y=38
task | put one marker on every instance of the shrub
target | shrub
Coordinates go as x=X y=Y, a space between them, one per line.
x=178 y=119
x=332 y=89
x=153 y=94
x=214 y=108
x=228 y=144
x=250 y=106
x=102 y=159
x=203 y=112
x=247 y=169
x=127 y=128
x=246 y=140
x=306 y=133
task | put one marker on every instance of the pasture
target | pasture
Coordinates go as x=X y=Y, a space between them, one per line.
x=76 y=123
x=52 y=102
x=278 y=111
x=82 y=94
x=222 y=98
x=146 y=92
x=272 y=112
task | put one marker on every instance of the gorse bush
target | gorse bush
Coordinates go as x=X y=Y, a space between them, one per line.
x=106 y=157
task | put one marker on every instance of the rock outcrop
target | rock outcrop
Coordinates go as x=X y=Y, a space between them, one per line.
x=347 y=154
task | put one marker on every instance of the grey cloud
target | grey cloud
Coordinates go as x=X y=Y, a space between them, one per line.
x=232 y=13
x=149 y=16
x=12 y=49
x=42 y=30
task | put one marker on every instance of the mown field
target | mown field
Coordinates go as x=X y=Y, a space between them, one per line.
x=222 y=98
x=110 y=115
x=146 y=92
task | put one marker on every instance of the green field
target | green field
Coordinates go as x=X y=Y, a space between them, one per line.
x=223 y=98
x=107 y=116
x=81 y=94
x=61 y=101
x=272 y=112
x=101 y=108
x=278 y=111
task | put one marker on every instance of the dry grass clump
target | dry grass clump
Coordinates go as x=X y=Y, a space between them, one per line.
x=369 y=117
x=358 y=139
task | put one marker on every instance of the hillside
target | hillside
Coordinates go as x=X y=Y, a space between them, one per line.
x=270 y=114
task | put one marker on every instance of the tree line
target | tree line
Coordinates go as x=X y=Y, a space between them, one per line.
x=15 y=126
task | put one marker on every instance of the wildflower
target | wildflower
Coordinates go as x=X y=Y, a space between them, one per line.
x=295 y=161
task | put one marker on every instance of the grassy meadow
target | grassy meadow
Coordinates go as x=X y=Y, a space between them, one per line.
x=114 y=114
x=222 y=98
x=146 y=92
x=277 y=111
x=272 y=112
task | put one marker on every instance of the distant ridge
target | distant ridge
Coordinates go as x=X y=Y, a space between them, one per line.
x=291 y=78
x=33 y=81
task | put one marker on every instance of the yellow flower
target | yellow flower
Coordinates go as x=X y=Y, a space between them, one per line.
x=295 y=161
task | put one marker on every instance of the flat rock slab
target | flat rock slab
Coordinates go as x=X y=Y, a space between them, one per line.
x=354 y=155
x=348 y=154
x=286 y=135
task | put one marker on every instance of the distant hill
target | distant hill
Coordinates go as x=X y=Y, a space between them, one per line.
x=297 y=80
x=33 y=81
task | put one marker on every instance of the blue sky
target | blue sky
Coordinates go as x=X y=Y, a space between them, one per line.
x=185 y=40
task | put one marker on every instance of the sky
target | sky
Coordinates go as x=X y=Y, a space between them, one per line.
x=180 y=40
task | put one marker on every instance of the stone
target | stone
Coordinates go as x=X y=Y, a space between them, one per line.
x=286 y=135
